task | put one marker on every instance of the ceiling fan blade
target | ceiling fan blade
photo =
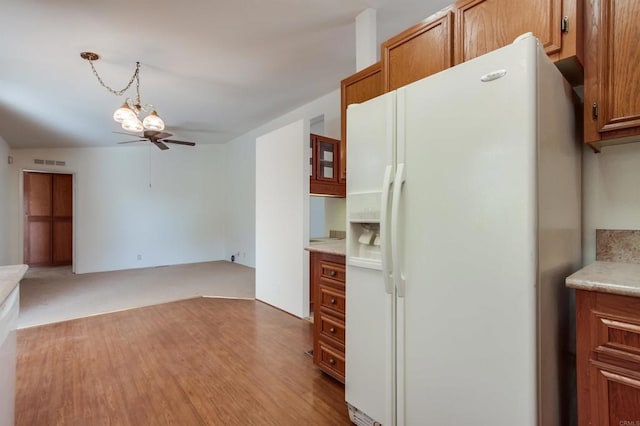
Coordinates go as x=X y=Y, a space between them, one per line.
x=160 y=145
x=179 y=142
x=152 y=134
x=139 y=140
x=128 y=134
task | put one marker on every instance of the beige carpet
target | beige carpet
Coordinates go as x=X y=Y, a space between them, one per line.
x=50 y=295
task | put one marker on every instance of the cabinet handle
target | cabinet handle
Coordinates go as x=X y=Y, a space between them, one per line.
x=332 y=301
x=332 y=329
x=332 y=361
x=332 y=273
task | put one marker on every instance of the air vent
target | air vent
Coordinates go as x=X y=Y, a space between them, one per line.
x=50 y=162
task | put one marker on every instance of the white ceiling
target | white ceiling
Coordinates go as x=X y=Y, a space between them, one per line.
x=213 y=69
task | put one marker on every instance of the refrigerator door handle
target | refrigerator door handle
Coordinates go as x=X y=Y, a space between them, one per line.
x=384 y=235
x=395 y=238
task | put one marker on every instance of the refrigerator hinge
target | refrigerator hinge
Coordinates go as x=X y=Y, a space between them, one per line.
x=564 y=24
x=594 y=111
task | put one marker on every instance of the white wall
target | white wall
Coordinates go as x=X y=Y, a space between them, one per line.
x=5 y=222
x=282 y=218
x=611 y=192
x=118 y=215
x=239 y=203
x=240 y=199
x=317 y=221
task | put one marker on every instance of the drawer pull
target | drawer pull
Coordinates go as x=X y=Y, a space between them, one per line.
x=332 y=361
x=332 y=329
x=332 y=301
x=332 y=273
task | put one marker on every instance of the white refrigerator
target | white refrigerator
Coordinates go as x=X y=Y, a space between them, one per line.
x=463 y=209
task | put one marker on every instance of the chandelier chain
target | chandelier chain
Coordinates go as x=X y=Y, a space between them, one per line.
x=135 y=77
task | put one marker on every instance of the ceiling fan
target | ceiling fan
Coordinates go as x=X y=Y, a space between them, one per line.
x=159 y=139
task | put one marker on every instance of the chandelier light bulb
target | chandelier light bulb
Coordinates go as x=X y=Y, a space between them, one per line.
x=153 y=122
x=132 y=125
x=124 y=113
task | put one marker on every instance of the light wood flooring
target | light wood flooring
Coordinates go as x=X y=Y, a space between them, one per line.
x=200 y=361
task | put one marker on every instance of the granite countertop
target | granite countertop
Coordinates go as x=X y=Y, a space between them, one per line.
x=338 y=247
x=10 y=276
x=608 y=277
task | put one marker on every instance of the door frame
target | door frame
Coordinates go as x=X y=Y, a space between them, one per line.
x=74 y=220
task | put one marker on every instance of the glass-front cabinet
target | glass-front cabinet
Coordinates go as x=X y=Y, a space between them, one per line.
x=324 y=167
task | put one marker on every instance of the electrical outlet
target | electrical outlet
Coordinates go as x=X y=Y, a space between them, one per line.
x=244 y=254
x=139 y=257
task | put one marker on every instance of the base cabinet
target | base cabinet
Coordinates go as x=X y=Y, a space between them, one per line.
x=608 y=359
x=328 y=281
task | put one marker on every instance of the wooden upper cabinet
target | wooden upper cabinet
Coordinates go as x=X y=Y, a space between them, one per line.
x=357 y=88
x=324 y=167
x=486 y=25
x=612 y=78
x=420 y=51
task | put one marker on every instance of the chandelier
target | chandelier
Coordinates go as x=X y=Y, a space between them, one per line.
x=129 y=114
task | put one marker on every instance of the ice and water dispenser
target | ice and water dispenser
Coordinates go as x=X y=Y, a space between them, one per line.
x=364 y=228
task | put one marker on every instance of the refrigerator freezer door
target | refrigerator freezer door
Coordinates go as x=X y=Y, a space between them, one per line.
x=468 y=244
x=370 y=142
x=369 y=382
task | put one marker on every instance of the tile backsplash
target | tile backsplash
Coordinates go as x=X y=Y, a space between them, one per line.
x=618 y=245
x=337 y=234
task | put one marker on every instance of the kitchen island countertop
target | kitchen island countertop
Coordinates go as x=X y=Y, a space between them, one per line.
x=608 y=277
x=10 y=276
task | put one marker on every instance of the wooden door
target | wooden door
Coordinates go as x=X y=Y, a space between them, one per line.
x=486 y=25
x=612 y=61
x=48 y=218
x=418 y=52
x=357 y=88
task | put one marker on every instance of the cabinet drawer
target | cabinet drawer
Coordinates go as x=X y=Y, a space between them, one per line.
x=332 y=298
x=332 y=272
x=331 y=361
x=332 y=328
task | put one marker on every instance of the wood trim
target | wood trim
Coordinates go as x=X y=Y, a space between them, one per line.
x=628 y=381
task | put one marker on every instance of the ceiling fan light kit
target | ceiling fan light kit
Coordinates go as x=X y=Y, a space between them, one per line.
x=128 y=115
x=153 y=122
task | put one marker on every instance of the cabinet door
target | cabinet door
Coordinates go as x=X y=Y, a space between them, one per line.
x=618 y=396
x=419 y=51
x=360 y=87
x=612 y=81
x=326 y=159
x=486 y=25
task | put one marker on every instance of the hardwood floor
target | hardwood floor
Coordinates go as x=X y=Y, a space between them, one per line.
x=192 y=362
